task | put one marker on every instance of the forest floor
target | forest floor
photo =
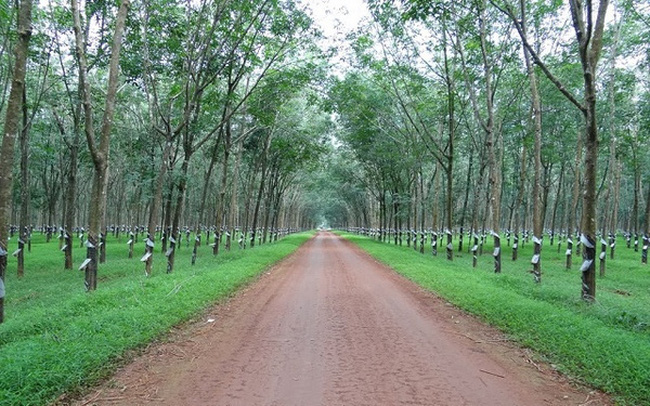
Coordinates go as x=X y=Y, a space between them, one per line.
x=331 y=326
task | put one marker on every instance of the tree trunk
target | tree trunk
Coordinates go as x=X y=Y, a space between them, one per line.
x=495 y=194
x=422 y=216
x=178 y=211
x=614 y=171
x=449 y=209
x=590 y=44
x=589 y=201
x=476 y=209
x=263 y=176
x=519 y=200
x=156 y=203
x=435 y=216
x=10 y=133
x=646 y=231
x=23 y=225
x=449 y=153
x=234 y=207
x=494 y=165
x=268 y=208
x=415 y=204
x=165 y=223
x=222 y=193
x=556 y=202
x=465 y=201
x=637 y=189
x=646 y=224
x=247 y=208
x=537 y=154
x=545 y=190
x=204 y=192
x=575 y=196
x=615 y=204
x=99 y=153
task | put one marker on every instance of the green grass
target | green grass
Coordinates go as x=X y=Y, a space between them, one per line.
x=59 y=339
x=605 y=344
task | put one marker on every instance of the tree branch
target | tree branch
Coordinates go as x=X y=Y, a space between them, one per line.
x=538 y=61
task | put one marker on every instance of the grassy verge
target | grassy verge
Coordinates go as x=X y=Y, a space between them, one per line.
x=605 y=344
x=57 y=338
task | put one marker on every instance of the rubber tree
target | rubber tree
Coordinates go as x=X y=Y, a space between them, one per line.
x=30 y=108
x=589 y=29
x=373 y=131
x=265 y=36
x=70 y=135
x=10 y=132
x=99 y=149
x=281 y=117
x=424 y=121
x=297 y=150
x=25 y=195
x=224 y=143
x=442 y=71
x=537 y=152
x=175 y=115
x=71 y=141
x=491 y=57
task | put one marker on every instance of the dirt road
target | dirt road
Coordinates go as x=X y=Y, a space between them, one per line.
x=330 y=326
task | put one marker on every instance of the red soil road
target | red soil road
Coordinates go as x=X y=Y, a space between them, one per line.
x=331 y=326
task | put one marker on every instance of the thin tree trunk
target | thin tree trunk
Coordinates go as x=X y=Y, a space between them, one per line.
x=422 y=216
x=222 y=191
x=415 y=204
x=10 y=133
x=23 y=227
x=449 y=167
x=166 y=221
x=178 y=211
x=234 y=207
x=646 y=230
x=614 y=223
x=537 y=154
x=247 y=208
x=645 y=239
x=99 y=153
x=269 y=207
x=556 y=203
x=465 y=201
x=577 y=175
x=590 y=44
x=156 y=203
x=263 y=176
x=545 y=190
x=206 y=186
x=519 y=200
x=435 y=216
x=637 y=189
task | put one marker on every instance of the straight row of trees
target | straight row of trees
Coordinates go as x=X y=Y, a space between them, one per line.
x=487 y=116
x=165 y=115
x=479 y=115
